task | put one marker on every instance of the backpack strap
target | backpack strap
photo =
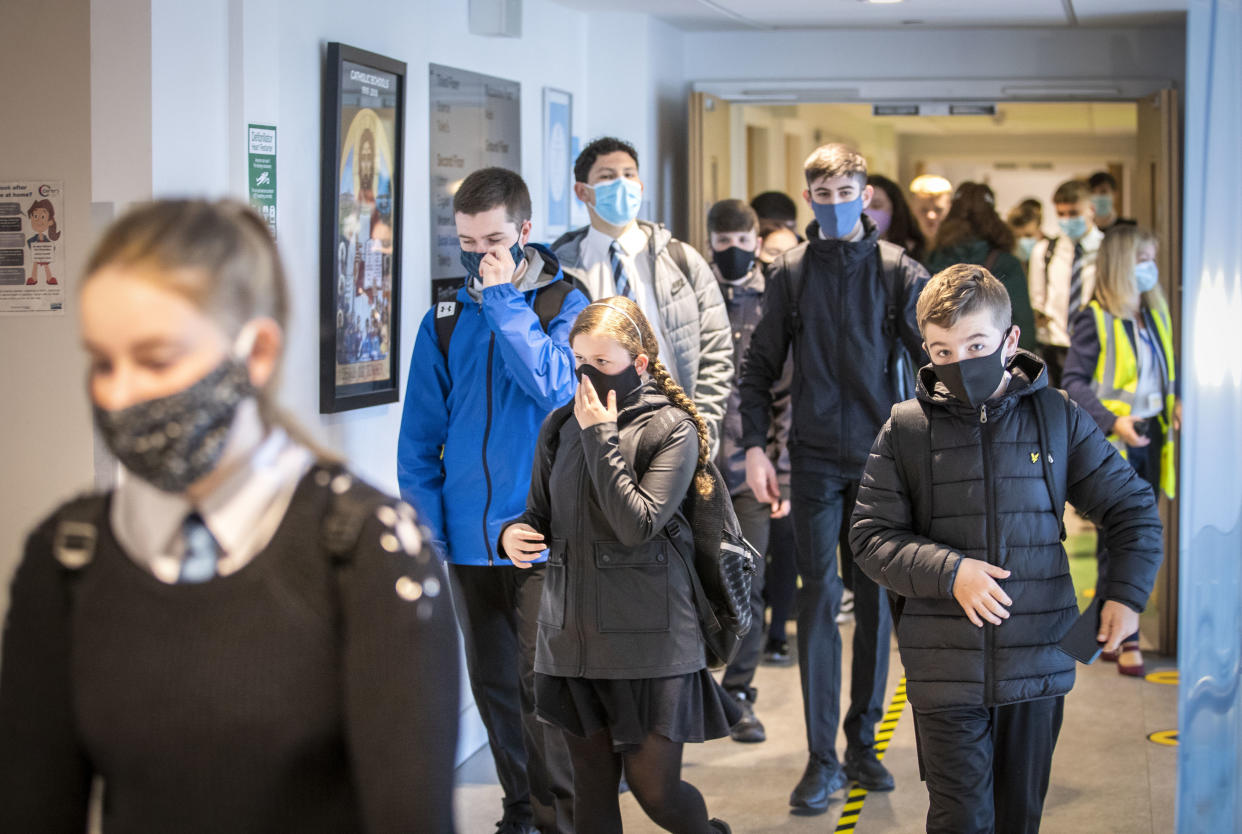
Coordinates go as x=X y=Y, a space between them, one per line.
x=910 y=431
x=653 y=434
x=678 y=250
x=549 y=299
x=448 y=311
x=797 y=283
x=1052 y=416
x=891 y=256
x=989 y=263
x=1048 y=251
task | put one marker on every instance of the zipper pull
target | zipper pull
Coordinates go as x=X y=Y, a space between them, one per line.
x=983 y=414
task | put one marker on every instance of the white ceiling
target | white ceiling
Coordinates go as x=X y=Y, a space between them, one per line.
x=723 y=15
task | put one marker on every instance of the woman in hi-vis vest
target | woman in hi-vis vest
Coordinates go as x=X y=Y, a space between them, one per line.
x=1121 y=368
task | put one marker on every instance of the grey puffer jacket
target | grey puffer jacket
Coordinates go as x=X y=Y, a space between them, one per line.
x=990 y=502
x=617 y=600
x=692 y=313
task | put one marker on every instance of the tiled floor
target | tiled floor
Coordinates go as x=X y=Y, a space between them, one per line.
x=1106 y=776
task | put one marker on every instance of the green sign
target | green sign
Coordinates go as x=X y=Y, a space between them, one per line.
x=262 y=146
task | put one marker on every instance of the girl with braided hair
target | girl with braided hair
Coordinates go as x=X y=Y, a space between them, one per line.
x=619 y=661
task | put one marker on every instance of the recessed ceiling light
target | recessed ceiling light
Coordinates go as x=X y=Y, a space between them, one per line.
x=883 y=2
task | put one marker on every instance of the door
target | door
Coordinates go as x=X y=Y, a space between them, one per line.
x=1157 y=205
x=710 y=160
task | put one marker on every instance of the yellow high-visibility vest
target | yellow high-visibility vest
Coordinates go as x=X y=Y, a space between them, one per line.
x=1116 y=380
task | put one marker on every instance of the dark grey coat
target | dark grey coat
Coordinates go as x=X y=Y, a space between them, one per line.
x=617 y=600
x=990 y=502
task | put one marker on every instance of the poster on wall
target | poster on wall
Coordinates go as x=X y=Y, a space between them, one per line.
x=261 y=151
x=557 y=133
x=32 y=247
x=475 y=122
x=360 y=229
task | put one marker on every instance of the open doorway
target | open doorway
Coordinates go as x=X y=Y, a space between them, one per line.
x=1021 y=149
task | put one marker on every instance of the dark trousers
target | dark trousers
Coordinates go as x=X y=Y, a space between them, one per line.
x=781 y=581
x=1054 y=357
x=738 y=676
x=987 y=770
x=496 y=609
x=821 y=505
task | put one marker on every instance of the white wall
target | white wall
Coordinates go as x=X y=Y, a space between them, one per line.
x=938 y=53
x=45 y=435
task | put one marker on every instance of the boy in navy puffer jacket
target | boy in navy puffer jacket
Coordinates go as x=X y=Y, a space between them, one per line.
x=958 y=521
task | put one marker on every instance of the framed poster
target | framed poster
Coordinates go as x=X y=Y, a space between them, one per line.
x=475 y=122
x=360 y=229
x=557 y=136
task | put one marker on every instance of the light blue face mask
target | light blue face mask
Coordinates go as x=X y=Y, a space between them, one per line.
x=1103 y=204
x=1073 y=227
x=1146 y=275
x=838 y=219
x=1025 y=245
x=617 y=201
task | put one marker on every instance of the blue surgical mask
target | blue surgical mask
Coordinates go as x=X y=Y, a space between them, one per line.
x=1025 y=245
x=1146 y=275
x=838 y=219
x=1103 y=204
x=1073 y=227
x=471 y=261
x=617 y=201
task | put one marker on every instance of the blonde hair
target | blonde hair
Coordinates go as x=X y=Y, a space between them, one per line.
x=930 y=185
x=835 y=160
x=220 y=256
x=621 y=320
x=961 y=290
x=1114 y=272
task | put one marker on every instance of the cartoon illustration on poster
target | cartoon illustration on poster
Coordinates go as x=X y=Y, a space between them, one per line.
x=364 y=249
x=32 y=254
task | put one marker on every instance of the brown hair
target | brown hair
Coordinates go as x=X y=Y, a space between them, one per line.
x=835 y=160
x=1114 y=272
x=53 y=233
x=973 y=217
x=961 y=290
x=1026 y=212
x=487 y=188
x=732 y=216
x=218 y=255
x=1071 y=191
x=616 y=317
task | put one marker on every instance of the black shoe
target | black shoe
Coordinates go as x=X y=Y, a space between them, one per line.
x=777 y=653
x=720 y=825
x=748 y=729
x=819 y=781
x=515 y=827
x=864 y=768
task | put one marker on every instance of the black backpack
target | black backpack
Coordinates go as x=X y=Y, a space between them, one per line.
x=723 y=563
x=901 y=366
x=910 y=436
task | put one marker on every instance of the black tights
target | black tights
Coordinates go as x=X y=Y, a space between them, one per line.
x=654 y=775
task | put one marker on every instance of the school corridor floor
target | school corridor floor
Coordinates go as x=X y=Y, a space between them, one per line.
x=1107 y=775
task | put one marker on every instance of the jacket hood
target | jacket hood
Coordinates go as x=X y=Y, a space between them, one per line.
x=542 y=268
x=1027 y=374
x=648 y=397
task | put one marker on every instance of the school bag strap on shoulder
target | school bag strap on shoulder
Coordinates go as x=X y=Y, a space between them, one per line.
x=723 y=564
x=77 y=531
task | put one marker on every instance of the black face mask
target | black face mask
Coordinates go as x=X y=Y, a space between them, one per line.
x=733 y=262
x=973 y=380
x=624 y=383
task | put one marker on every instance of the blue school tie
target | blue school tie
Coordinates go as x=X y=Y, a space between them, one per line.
x=619 y=278
x=1075 y=297
x=201 y=551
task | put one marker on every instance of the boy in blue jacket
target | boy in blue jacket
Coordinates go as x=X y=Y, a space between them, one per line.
x=488 y=366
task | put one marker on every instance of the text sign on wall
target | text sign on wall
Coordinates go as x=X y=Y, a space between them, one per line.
x=261 y=150
x=475 y=123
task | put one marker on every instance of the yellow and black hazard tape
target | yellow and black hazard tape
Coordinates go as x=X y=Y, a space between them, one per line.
x=884 y=734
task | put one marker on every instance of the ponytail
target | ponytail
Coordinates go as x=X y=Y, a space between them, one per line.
x=703 y=481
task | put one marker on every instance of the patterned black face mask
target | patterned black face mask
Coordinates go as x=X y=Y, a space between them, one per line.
x=173 y=441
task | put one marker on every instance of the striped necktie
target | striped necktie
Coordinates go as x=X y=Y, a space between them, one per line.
x=619 y=278
x=201 y=551
x=1075 y=295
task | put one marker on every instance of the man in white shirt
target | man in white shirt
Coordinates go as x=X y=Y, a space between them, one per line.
x=618 y=254
x=1062 y=273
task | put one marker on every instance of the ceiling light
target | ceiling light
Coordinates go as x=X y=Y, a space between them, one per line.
x=883 y=2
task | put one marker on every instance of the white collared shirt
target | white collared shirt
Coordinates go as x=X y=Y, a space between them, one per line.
x=597 y=261
x=1050 y=289
x=242 y=513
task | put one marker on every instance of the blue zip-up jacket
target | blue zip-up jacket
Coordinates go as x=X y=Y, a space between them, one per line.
x=469 y=426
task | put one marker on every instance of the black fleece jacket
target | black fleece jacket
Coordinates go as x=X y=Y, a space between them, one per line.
x=990 y=502
x=841 y=392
